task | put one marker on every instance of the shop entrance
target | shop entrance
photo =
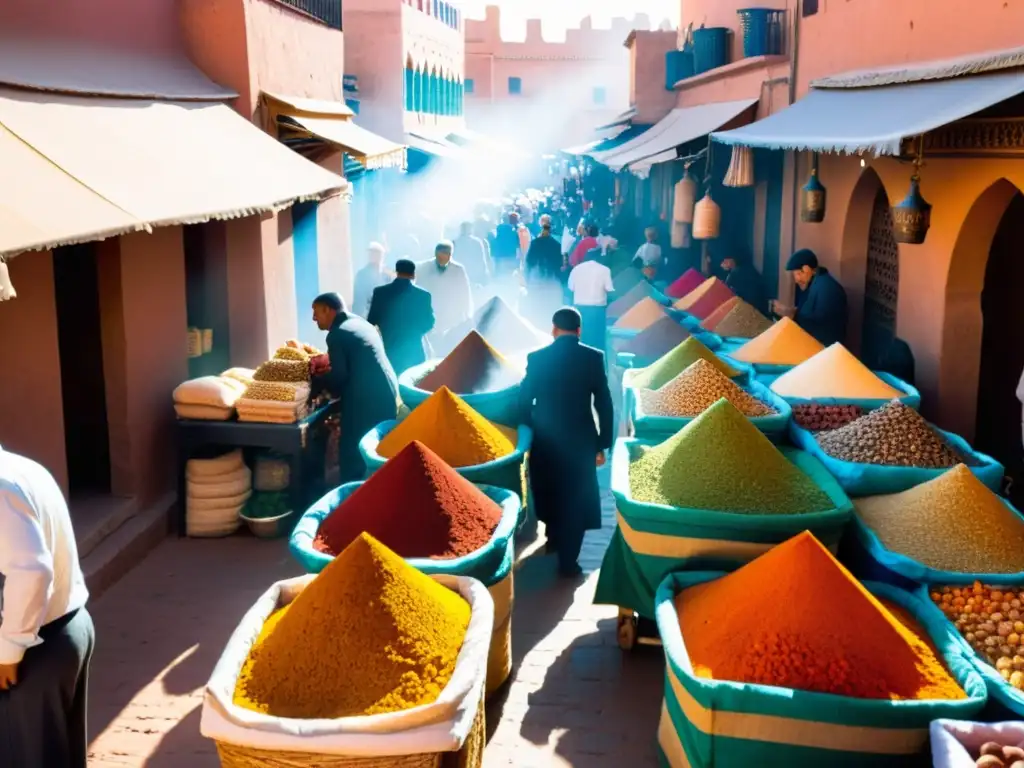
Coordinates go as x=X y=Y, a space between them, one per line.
x=998 y=424
x=83 y=389
x=206 y=293
x=881 y=283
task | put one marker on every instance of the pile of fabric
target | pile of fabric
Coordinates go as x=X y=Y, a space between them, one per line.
x=216 y=491
x=211 y=398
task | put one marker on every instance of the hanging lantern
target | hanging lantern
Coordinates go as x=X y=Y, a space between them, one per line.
x=707 y=218
x=741 y=168
x=685 y=196
x=912 y=217
x=813 y=197
x=7 y=291
x=680 y=234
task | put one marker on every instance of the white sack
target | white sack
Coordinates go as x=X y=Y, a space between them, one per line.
x=951 y=740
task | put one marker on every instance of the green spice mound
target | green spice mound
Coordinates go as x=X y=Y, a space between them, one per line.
x=721 y=462
x=667 y=367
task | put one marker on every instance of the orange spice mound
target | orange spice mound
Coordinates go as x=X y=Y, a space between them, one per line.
x=796 y=618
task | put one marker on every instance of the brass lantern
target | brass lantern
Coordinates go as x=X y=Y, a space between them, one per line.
x=813 y=197
x=912 y=217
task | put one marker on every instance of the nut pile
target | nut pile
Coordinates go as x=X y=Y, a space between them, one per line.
x=818 y=418
x=952 y=523
x=276 y=391
x=291 y=353
x=894 y=435
x=995 y=755
x=695 y=390
x=991 y=619
x=295 y=371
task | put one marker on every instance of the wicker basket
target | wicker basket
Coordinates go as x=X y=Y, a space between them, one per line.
x=499 y=656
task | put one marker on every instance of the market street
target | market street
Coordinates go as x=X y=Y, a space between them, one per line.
x=574 y=699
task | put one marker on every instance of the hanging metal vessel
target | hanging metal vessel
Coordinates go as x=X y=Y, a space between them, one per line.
x=912 y=217
x=813 y=197
x=741 y=168
x=707 y=219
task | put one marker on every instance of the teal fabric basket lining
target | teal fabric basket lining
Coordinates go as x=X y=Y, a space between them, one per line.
x=878 y=479
x=651 y=427
x=652 y=540
x=501 y=406
x=920 y=573
x=802 y=727
x=489 y=564
x=910 y=397
x=1000 y=690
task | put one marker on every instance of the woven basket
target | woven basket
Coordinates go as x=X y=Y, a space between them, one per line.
x=499 y=656
x=470 y=756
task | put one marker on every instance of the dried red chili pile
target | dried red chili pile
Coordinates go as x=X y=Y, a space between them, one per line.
x=417 y=506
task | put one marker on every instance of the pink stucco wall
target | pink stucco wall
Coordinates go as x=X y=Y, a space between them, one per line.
x=648 y=93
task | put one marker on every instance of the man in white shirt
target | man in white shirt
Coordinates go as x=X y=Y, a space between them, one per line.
x=590 y=284
x=449 y=288
x=46 y=633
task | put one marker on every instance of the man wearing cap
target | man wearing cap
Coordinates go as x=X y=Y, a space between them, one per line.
x=821 y=301
x=404 y=315
x=565 y=384
x=360 y=376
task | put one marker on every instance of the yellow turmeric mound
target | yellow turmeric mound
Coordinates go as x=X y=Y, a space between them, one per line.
x=369 y=635
x=796 y=618
x=446 y=424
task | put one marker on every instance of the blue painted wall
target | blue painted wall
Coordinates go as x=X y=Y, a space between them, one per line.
x=307 y=266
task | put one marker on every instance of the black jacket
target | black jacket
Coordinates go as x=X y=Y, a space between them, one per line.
x=404 y=314
x=563 y=380
x=746 y=282
x=544 y=259
x=821 y=309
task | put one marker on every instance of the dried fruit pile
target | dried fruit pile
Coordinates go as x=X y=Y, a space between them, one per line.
x=995 y=755
x=894 y=435
x=818 y=418
x=695 y=390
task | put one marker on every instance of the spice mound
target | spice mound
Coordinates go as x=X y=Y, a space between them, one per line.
x=446 y=424
x=695 y=390
x=952 y=523
x=416 y=505
x=657 y=339
x=721 y=462
x=505 y=330
x=991 y=619
x=667 y=367
x=643 y=314
x=689 y=280
x=834 y=372
x=474 y=366
x=370 y=634
x=742 y=321
x=625 y=281
x=785 y=343
x=708 y=297
x=824 y=632
x=818 y=418
x=723 y=309
x=634 y=294
x=894 y=435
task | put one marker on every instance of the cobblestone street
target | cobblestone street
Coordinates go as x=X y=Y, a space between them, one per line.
x=575 y=699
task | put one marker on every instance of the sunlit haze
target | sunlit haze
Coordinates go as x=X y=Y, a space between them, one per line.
x=562 y=14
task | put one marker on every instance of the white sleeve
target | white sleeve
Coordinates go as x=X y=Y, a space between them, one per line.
x=27 y=565
x=609 y=286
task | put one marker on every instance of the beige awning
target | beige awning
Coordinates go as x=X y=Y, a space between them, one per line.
x=296 y=106
x=160 y=162
x=365 y=146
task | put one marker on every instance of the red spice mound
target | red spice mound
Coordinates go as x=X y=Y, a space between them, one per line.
x=417 y=506
x=714 y=297
x=682 y=286
x=473 y=366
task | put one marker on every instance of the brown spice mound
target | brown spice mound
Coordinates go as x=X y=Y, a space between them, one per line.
x=474 y=366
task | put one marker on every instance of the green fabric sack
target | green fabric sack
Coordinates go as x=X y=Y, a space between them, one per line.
x=500 y=406
x=708 y=723
x=489 y=564
x=652 y=540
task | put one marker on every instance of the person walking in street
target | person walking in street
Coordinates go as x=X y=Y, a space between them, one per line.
x=448 y=284
x=821 y=301
x=565 y=383
x=585 y=244
x=506 y=245
x=590 y=284
x=369 y=278
x=744 y=280
x=360 y=376
x=473 y=255
x=46 y=633
x=543 y=274
x=649 y=254
x=404 y=316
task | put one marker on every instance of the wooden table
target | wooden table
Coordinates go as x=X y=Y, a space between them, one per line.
x=291 y=440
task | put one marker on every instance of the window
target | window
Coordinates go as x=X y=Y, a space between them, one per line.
x=809 y=7
x=468 y=85
x=600 y=95
x=515 y=86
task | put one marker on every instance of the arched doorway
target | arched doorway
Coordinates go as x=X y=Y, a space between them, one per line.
x=998 y=420
x=881 y=282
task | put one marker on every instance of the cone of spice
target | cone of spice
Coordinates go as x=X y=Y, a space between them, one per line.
x=785 y=343
x=657 y=339
x=716 y=294
x=722 y=462
x=369 y=635
x=823 y=633
x=698 y=293
x=642 y=315
x=631 y=298
x=834 y=373
x=709 y=323
x=503 y=328
x=446 y=424
x=474 y=366
x=742 y=321
x=417 y=506
x=695 y=390
x=670 y=365
x=689 y=281
x=626 y=280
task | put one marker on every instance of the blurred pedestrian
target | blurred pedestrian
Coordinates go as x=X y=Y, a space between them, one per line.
x=448 y=284
x=367 y=279
x=404 y=315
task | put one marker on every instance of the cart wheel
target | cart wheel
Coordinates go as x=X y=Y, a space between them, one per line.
x=626 y=630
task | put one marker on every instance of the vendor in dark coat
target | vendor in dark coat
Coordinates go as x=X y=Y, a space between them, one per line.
x=821 y=301
x=564 y=382
x=744 y=280
x=361 y=377
x=404 y=315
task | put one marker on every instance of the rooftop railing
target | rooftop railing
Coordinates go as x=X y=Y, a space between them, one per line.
x=327 y=12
